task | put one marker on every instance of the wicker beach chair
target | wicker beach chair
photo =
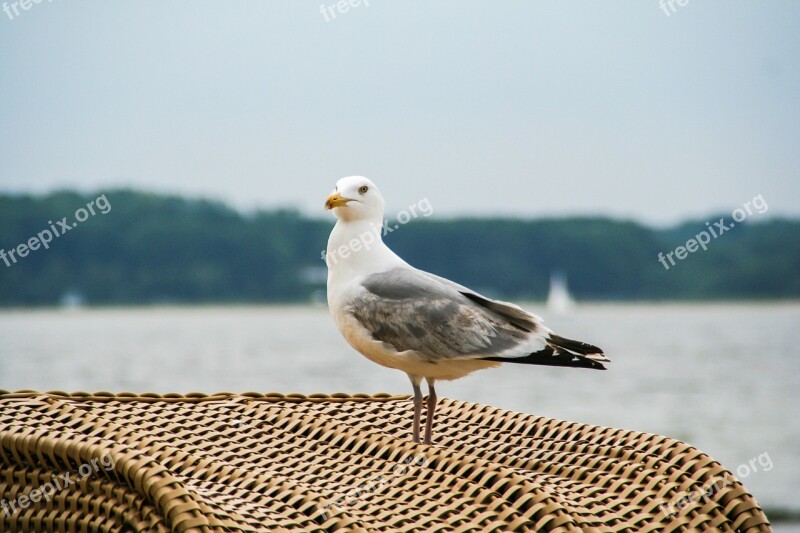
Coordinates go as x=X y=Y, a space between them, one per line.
x=253 y=462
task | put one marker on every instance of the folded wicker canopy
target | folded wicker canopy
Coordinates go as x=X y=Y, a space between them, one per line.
x=253 y=462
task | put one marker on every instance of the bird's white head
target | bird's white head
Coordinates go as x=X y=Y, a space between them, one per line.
x=356 y=198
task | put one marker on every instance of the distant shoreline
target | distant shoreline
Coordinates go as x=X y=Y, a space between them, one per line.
x=529 y=304
x=125 y=247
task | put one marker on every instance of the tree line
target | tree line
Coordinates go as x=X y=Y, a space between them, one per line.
x=148 y=248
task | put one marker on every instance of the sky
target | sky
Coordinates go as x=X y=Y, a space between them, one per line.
x=628 y=109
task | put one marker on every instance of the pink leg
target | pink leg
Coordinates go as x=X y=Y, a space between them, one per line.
x=430 y=411
x=417 y=408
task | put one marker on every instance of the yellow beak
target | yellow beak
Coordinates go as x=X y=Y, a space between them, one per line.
x=335 y=200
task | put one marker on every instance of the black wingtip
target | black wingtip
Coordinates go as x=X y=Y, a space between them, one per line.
x=552 y=357
x=574 y=346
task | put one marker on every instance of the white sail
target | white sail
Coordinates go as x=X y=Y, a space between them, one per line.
x=559 y=301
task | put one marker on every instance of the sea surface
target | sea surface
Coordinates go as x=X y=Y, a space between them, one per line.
x=723 y=377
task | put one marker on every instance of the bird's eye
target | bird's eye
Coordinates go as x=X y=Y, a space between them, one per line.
x=363 y=189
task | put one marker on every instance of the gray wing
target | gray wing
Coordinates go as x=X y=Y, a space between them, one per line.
x=412 y=310
x=509 y=311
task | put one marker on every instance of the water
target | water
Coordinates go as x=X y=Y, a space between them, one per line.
x=721 y=377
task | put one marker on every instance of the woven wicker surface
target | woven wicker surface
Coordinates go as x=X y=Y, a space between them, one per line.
x=271 y=462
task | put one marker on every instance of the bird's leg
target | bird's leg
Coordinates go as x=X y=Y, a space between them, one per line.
x=430 y=411
x=417 y=407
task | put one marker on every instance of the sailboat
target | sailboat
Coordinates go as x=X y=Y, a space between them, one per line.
x=559 y=301
x=72 y=299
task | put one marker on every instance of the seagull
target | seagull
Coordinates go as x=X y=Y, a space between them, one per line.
x=427 y=326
